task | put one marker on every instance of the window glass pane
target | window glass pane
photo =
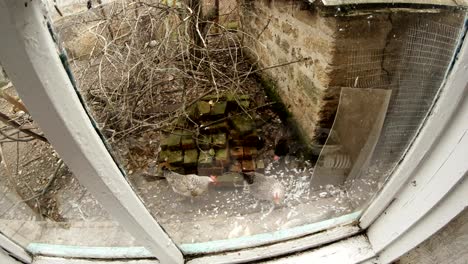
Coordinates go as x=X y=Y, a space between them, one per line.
x=300 y=111
x=40 y=199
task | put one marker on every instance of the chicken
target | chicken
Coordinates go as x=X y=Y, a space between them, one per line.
x=286 y=143
x=282 y=142
x=190 y=185
x=281 y=148
x=266 y=188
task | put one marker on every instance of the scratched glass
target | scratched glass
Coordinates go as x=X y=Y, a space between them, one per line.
x=235 y=120
x=42 y=205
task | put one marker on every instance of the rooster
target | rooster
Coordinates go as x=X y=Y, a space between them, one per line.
x=190 y=185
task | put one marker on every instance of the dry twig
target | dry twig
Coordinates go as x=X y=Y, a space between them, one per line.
x=10 y=122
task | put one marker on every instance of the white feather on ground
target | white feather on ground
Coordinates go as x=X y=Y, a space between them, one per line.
x=239 y=230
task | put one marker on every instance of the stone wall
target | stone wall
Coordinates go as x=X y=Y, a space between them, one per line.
x=359 y=49
x=2 y=75
x=280 y=33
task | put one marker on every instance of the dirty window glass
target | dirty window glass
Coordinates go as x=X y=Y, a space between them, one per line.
x=238 y=118
x=41 y=202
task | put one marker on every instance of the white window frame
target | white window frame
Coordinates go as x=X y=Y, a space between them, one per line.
x=30 y=56
x=10 y=247
x=401 y=216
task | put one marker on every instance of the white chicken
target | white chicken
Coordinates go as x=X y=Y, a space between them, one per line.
x=266 y=188
x=190 y=185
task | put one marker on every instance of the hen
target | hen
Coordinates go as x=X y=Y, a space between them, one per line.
x=190 y=185
x=281 y=148
x=266 y=188
x=285 y=143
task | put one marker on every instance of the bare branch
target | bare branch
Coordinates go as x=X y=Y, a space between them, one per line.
x=8 y=121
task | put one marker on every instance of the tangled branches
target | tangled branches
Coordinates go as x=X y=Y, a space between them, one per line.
x=158 y=60
x=19 y=128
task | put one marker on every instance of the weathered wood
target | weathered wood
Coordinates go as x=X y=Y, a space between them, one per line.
x=249 y=255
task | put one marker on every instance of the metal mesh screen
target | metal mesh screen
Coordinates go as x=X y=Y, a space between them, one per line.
x=413 y=65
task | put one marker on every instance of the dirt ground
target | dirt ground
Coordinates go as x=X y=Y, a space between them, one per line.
x=222 y=213
x=31 y=165
x=65 y=214
x=203 y=218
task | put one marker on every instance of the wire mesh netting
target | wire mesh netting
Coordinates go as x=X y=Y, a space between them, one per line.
x=413 y=64
x=180 y=102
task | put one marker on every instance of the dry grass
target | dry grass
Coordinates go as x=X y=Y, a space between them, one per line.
x=143 y=66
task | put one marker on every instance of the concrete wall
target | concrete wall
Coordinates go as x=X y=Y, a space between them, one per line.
x=448 y=245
